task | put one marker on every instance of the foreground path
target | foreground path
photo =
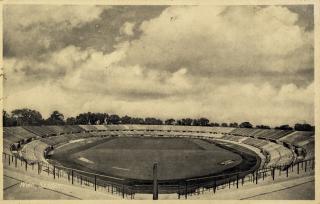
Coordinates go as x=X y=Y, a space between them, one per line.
x=20 y=186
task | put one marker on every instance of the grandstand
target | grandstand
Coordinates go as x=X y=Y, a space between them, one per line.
x=277 y=147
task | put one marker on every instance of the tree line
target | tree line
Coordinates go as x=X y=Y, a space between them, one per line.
x=28 y=117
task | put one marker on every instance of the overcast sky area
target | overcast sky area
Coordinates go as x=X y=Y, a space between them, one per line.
x=229 y=64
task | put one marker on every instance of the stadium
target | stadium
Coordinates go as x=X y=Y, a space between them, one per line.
x=189 y=101
x=192 y=161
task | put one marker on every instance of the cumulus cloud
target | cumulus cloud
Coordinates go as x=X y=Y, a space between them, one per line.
x=225 y=63
x=33 y=29
x=127 y=28
x=223 y=40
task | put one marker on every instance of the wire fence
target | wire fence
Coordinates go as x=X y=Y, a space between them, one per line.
x=127 y=189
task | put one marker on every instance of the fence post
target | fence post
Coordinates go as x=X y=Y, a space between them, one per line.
x=186 y=194
x=298 y=168
x=305 y=166
x=287 y=170
x=54 y=172
x=123 y=191
x=95 y=183
x=72 y=176
x=26 y=166
x=242 y=182
x=9 y=159
x=15 y=162
x=273 y=173
x=237 y=180
x=215 y=186
x=253 y=177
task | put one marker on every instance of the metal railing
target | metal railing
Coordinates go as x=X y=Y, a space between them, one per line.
x=126 y=189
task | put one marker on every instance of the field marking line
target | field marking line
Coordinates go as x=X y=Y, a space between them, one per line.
x=119 y=168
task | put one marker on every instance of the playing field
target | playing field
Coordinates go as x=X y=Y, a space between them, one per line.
x=133 y=157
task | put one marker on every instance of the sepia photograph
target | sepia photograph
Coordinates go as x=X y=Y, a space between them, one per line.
x=158 y=102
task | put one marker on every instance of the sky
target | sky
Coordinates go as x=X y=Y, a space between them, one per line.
x=226 y=63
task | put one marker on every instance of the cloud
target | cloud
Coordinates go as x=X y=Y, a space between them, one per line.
x=127 y=28
x=37 y=29
x=53 y=14
x=224 y=41
x=226 y=63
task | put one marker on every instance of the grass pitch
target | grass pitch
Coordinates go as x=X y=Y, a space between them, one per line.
x=133 y=157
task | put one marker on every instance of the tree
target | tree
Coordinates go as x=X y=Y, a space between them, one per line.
x=233 y=124
x=22 y=117
x=263 y=126
x=203 y=121
x=195 y=122
x=71 y=121
x=214 y=124
x=303 y=127
x=56 y=118
x=153 y=121
x=284 y=127
x=7 y=119
x=126 y=120
x=170 y=121
x=224 y=125
x=186 y=121
x=245 y=125
x=137 y=121
x=114 y=119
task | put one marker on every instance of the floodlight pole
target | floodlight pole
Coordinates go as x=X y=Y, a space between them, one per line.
x=155 y=181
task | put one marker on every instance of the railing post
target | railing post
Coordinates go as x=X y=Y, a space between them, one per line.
x=26 y=166
x=186 y=194
x=54 y=172
x=215 y=186
x=298 y=168
x=72 y=176
x=9 y=159
x=95 y=183
x=273 y=173
x=15 y=162
x=287 y=171
x=305 y=166
x=257 y=174
x=237 y=180
x=123 y=191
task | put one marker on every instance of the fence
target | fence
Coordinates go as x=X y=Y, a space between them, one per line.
x=127 y=189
